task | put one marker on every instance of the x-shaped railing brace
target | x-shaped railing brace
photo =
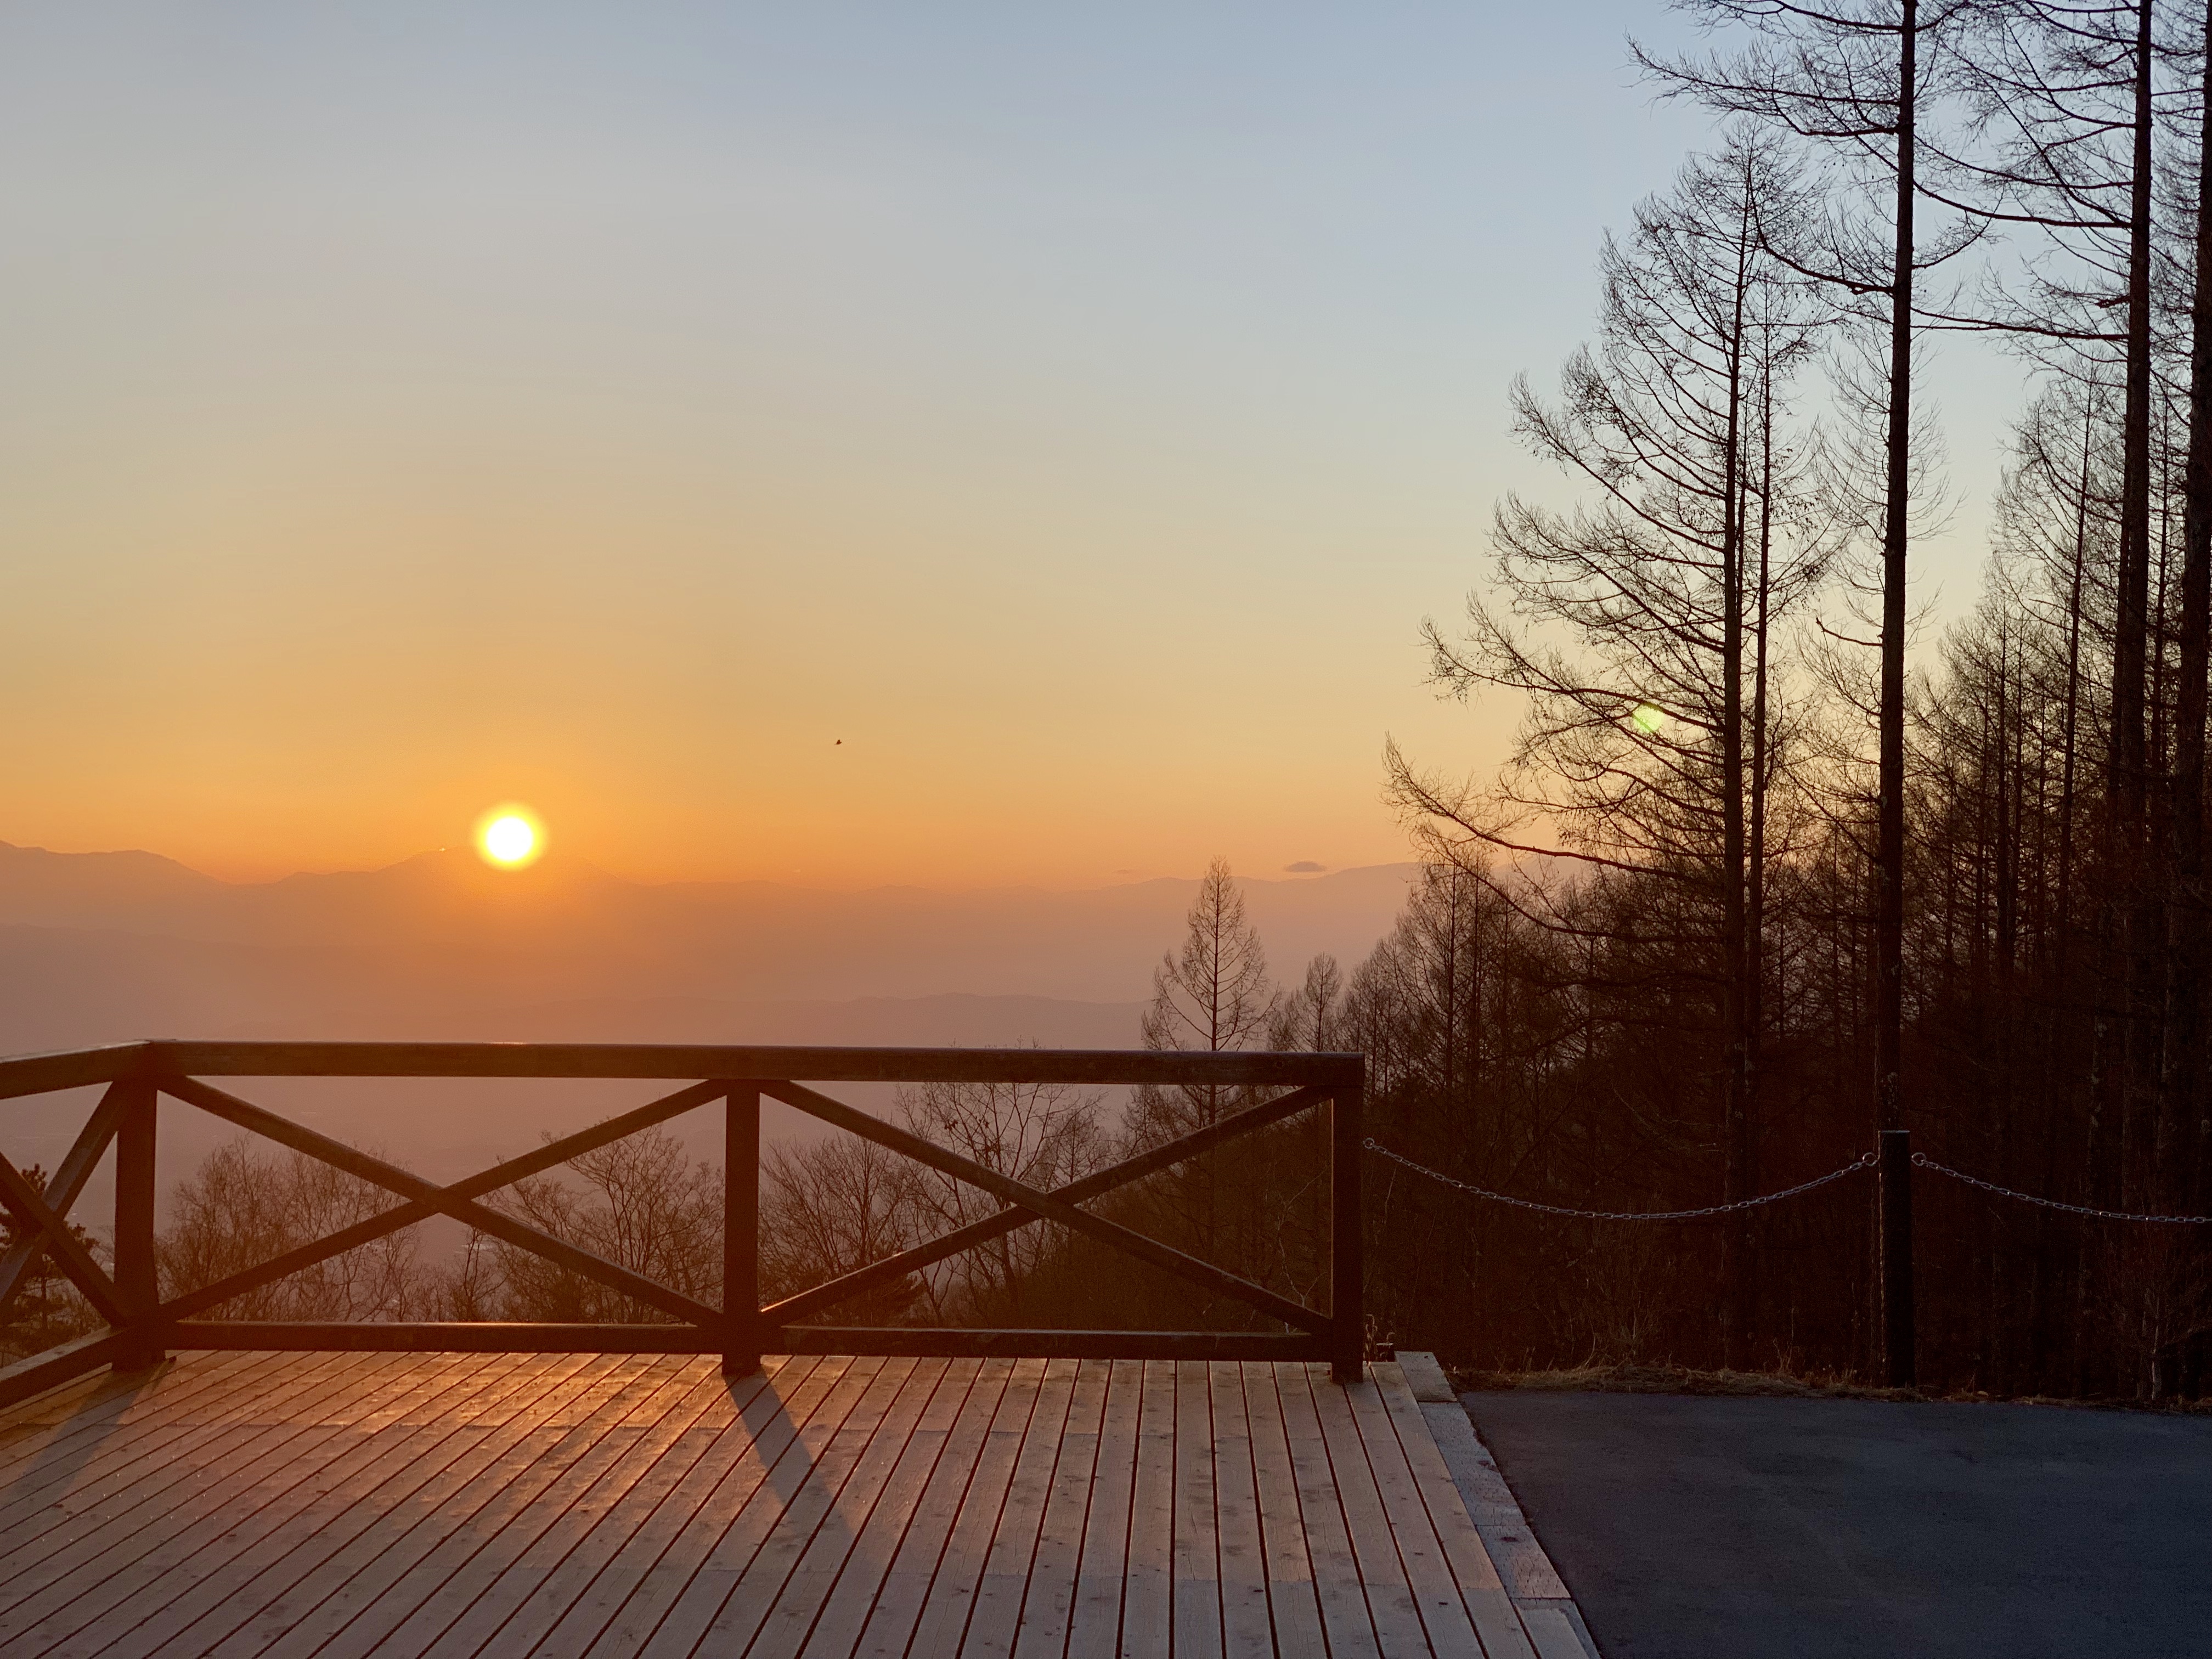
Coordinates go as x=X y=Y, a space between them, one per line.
x=1059 y=1205
x=425 y=1200
x=42 y=1219
x=41 y=1215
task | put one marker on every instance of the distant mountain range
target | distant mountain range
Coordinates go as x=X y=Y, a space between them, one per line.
x=98 y=947
x=103 y=947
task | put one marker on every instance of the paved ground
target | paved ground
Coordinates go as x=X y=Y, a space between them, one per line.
x=1705 y=1528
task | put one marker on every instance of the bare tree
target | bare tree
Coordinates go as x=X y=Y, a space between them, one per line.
x=1311 y=1017
x=1044 y=1134
x=1648 y=746
x=1210 y=995
x=1850 y=80
x=831 y=1207
x=244 y=1206
x=639 y=1202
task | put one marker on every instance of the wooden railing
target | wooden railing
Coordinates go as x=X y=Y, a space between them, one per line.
x=142 y=1326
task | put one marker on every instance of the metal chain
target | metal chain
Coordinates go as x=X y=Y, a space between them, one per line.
x=1865 y=1161
x=1921 y=1160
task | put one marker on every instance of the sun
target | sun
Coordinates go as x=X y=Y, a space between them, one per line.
x=510 y=837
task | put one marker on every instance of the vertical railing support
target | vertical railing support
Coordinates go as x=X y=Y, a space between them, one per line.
x=137 y=1283
x=1347 y=1307
x=741 y=1231
x=1898 y=1344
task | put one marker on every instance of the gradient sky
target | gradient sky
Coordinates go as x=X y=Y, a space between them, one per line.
x=1075 y=410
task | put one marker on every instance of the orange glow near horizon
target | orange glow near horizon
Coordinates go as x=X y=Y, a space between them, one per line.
x=510 y=837
x=697 y=437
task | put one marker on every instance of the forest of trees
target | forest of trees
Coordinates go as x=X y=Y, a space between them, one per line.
x=1747 y=891
x=1755 y=882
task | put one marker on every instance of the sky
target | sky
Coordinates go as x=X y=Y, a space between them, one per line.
x=957 y=445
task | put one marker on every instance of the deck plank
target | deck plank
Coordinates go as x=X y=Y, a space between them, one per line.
x=1347 y=1608
x=905 y=1589
x=1428 y=1573
x=124 y=1469
x=944 y=1618
x=622 y=1553
x=699 y=1601
x=837 y=1534
x=1392 y=1595
x=1095 y=1621
x=394 y=1473
x=110 y=1553
x=1247 y=1626
x=1004 y=1587
x=1197 y=1550
x=866 y=1571
x=1480 y=1588
x=45 y=1507
x=1287 y=1559
x=881 y=1414
x=1048 y=1610
x=468 y=1506
x=1148 y=1587
x=225 y=1529
x=375 y=1543
x=468 y=1559
x=43 y=1430
x=563 y=1562
x=477 y=1607
x=747 y=1496
x=32 y=1424
x=412 y=1559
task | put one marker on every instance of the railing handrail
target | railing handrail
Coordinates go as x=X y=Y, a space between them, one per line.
x=154 y=1058
x=138 y=1073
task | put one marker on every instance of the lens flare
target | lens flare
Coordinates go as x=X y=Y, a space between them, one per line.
x=510 y=837
x=1648 y=717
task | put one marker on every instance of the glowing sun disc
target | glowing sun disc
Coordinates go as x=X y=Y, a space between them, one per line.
x=509 y=836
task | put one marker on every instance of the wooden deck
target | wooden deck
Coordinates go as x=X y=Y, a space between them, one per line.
x=291 y=1504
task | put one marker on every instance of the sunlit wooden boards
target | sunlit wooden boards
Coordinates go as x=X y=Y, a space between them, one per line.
x=282 y=1505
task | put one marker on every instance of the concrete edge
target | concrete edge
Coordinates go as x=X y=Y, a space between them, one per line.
x=1539 y=1595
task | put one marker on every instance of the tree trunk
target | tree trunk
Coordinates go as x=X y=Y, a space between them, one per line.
x=2181 y=1165
x=2129 y=786
x=1889 y=899
x=1732 y=827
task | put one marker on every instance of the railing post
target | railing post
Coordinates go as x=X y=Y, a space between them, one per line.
x=1897 y=1332
x=138 y=1284
x=1347 y=1308
x=741 y=1231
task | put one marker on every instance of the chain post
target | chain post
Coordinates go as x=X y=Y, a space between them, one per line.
x=1897 y=1345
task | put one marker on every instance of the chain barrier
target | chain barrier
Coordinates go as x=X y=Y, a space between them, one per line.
x=1864 y=1161
x=1921 y=1160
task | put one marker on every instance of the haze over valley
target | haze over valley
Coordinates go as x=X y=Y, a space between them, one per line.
x=108 y=947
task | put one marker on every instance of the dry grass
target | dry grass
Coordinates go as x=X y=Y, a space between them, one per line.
x=1679 y=1379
